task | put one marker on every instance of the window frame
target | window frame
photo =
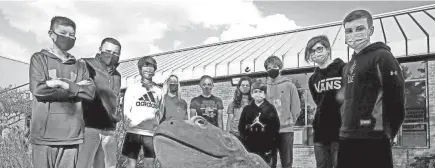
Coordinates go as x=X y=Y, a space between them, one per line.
x=399 y=144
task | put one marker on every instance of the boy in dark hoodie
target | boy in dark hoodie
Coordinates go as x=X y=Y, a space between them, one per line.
x=373 y=108
x=324 y=85
x=101 y=114
x=259 y=124
x=58 y=83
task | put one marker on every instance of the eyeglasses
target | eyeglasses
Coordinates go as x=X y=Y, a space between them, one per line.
x=317 y=50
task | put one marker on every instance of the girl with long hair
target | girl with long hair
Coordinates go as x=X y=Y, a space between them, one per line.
x=242 y=97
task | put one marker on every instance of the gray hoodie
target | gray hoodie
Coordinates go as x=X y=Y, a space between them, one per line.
x=283 y=94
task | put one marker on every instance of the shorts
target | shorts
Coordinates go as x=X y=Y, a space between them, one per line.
x=133 y=143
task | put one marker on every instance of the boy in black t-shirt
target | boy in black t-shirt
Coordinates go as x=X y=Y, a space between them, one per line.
x=207 y=105
x=259 y=124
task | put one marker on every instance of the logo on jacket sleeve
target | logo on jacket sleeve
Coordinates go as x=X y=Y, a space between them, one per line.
x=351 y=75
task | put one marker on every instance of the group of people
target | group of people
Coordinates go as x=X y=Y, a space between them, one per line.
x=360 y=105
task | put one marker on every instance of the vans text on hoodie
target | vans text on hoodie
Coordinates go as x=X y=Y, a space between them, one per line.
x=324 y=85
x=57 y=116
x=374 y=95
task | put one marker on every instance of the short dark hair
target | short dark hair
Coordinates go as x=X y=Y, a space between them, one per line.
x=111 y=40
x=147 y=60
x=259 y=84
x=322 y=39
x=61 y=20
x=205 y=77
x=359 y=14
x=273 y=60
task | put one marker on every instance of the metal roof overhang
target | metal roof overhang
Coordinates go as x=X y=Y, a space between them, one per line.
x=409 y=33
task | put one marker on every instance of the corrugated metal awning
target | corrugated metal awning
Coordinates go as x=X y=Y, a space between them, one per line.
x=408 y=32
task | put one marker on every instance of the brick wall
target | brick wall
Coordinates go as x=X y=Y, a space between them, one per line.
x=304 y=156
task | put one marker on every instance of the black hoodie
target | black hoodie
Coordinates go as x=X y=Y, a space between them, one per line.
x=374 y=102
x=259 y=137
x=324 y=85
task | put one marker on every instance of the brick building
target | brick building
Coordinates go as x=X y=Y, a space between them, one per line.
x=410 y=33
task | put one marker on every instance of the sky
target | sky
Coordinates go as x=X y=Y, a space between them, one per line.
x=153 y=26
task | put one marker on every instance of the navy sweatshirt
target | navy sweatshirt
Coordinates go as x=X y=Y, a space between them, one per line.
x=324 y=85
x=102 y=112
x=374 y=102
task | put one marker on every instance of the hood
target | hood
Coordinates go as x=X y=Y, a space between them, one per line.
x=278 y=80
x=334 y=64
x=70 y=58
x=372 y=47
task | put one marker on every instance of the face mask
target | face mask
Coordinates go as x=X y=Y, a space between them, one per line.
x=357 y=40
x=108 y=58
x=258 y=96
x=63 y=42
x=273 y=73
x=147 y=72
x=320 y=59
x=173 y=87
x=244 y=90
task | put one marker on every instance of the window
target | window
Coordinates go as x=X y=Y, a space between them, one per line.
x=414 y=130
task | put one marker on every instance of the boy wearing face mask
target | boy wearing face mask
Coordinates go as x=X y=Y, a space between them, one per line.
x=259 y=124
x=373 y=108
x=283 y=94
x=101 y=114
x=173 y=106
x=59 y=84
x=141 y=110
x=324 y=85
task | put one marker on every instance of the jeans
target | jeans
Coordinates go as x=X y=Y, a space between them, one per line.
x=98 y=149
x=326 y=154
x=285 y=148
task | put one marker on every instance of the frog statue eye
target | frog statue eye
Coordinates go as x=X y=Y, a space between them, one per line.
x=200 y=122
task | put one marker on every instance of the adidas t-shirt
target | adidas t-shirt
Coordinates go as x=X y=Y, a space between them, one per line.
x=140 y=107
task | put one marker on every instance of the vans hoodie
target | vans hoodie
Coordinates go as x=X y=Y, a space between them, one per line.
x=374 y=102
x=57 y=116
x=324 y=85
x=283 y=94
